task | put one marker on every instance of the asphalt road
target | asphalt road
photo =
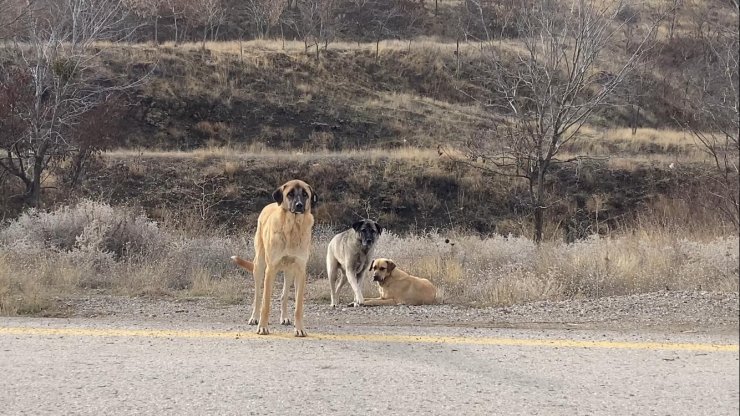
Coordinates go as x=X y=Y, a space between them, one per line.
x=99 y=367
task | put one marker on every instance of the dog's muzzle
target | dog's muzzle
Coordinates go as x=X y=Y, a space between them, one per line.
x=376 y=278
x=298 y=208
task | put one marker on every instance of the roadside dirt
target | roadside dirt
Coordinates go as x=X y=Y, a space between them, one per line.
x=666 y=311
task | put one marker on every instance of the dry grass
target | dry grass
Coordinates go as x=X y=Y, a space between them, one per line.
x=618 y=143
x=34 y=271
x=234 y=154
x=645 y=143
x=502 y=271
x=294 y=46
x=394 y=97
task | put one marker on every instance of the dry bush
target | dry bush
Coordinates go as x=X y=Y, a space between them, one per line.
x=213 y=132
x=38 y=266
x=506 y=270
x=86 y=227
x=96 y=246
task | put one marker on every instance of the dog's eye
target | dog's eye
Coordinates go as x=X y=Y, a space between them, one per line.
x=382 y=268
x=305 y=195
x=290 y=194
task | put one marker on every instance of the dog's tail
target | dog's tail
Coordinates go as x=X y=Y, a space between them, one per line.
x=246 y=264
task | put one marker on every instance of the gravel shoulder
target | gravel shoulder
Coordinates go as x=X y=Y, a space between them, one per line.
x=662 y=312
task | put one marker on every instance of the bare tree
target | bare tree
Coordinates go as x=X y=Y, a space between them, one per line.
x=548 y=87
x=155 y=10
x=317 y=23
x=11 y=13
x=491 y=19
x=148 y=10
x=177 y=10
x=208 y=13
x=264 y=15
x=675 y=7
x=716 y=115
x=51 y=82
x=390 y=19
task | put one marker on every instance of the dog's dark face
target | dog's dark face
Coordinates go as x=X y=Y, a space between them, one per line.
x=296 y=196
x=367 y=232
x=381 y=269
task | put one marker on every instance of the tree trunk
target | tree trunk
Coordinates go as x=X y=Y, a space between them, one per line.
x=634 y=119
x=35 y=191
x=538 y=200
x=282 y=35
x=156 y=30
x=673 y=25
x=538 y=215
x=457 y=57
x=174 y=15
x=377 y=50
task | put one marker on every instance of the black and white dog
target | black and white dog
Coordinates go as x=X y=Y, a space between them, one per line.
x=351 y=251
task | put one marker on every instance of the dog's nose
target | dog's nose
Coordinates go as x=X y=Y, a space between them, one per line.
x=299 y=205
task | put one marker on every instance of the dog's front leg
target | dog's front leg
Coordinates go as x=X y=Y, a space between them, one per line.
x=380 y=302
x=287 y=285
x=266 y=298
x=356 y=283
x=300 y=289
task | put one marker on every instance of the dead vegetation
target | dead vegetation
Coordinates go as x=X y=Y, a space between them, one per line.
x=95 y=247
x=218 y=123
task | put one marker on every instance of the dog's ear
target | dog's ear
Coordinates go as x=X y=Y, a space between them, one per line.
x=356 y=226
x=371 y=266
x=314 y=197
x=391 y=265
x=380 y=229
x=278 y=195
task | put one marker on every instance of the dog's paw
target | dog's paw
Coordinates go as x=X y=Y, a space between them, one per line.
x=263 y=331
x=300 y=333
x=285 y=321
x=253 y=321
x=355 y=304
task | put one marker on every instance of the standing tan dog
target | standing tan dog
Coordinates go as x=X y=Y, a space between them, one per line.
x=282 y=243
x=398 y=287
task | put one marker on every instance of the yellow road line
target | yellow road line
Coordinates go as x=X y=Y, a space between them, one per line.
x=410 y=339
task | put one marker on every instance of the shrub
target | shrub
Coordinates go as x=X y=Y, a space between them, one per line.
x=88 y=226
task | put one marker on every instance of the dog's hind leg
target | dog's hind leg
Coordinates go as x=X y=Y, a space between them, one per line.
x=287 y=285
x=341 y=282
x=270 y=273
x=300 y=288
x=332 y=267
x=259 y=278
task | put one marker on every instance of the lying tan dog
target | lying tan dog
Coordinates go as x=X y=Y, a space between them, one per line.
x=398 y=287
x=282 y=243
